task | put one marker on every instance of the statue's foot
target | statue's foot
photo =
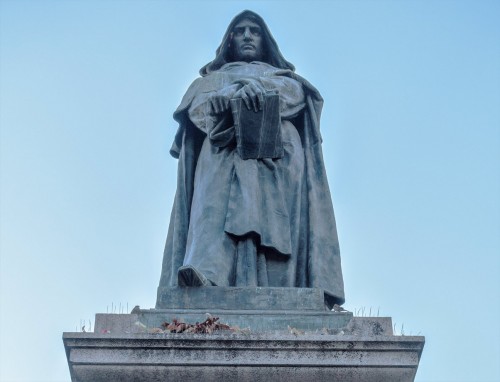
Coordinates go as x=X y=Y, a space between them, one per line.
x=189 y=276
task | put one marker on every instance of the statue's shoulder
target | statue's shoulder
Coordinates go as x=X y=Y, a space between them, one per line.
x=210 y=82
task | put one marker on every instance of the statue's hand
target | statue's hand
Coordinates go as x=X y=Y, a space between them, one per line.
x=252 y=95
x=219 y=103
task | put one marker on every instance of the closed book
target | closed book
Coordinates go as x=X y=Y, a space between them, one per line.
x=258 y=133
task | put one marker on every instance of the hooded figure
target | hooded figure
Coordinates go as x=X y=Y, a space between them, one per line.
x=251 y=222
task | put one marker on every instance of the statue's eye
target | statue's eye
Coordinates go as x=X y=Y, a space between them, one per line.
x=238 y=31
x=255 y=31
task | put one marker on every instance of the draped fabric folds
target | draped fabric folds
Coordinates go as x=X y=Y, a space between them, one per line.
x=255 y=222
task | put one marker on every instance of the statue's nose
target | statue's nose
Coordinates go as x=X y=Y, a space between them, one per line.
x=247 y=34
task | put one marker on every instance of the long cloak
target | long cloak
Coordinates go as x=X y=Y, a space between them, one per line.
x=319 y=255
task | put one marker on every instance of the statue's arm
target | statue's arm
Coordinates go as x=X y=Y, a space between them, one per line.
x=209 y=106
x=291 y=92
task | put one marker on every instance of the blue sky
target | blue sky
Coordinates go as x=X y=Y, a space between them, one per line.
x=411 y=130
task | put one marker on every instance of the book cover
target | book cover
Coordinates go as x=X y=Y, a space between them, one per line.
x=258 y=134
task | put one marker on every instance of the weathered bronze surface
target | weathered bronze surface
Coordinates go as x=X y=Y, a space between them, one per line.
x=253 y=206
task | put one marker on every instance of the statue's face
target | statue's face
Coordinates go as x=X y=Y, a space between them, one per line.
x=247 y=41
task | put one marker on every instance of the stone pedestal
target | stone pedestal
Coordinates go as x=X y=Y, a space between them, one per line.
x=282 y=336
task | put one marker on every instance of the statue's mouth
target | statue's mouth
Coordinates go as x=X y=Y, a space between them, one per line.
x=248 y=46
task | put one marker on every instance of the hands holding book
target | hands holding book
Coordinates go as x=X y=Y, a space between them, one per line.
x=219 y=103
x=252 y=94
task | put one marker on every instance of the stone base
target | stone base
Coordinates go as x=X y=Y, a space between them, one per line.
x=241 y=298
x=237 y=357
x=290 y=337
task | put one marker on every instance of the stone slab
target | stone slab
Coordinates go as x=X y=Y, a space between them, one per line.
x=238 y=357
x=241 y=298
x=290 y=337
x=256 y=321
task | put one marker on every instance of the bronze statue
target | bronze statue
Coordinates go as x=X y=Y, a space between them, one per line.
x=252 y=207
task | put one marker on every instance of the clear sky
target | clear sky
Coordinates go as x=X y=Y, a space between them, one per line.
x=411 y=130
